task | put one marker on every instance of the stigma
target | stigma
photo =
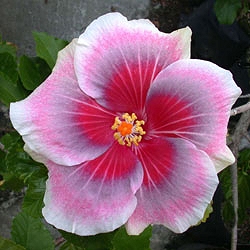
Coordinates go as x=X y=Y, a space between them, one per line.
x=128 y=130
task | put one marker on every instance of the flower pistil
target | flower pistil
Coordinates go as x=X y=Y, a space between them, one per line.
x=129 y=130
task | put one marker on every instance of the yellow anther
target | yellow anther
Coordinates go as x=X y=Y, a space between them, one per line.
x=129 y=131
x=116 y=123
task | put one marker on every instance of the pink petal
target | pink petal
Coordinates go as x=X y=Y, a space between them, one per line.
x=179 y=183
x=116 y=59
x=191 y=99
x=59 y=122
x=95 y=197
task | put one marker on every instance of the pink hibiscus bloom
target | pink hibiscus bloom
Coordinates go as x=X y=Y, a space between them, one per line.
x=130 y=128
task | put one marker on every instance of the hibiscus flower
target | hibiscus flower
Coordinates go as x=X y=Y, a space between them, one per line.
x=130 y=128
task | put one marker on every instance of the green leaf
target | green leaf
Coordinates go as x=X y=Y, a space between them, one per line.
x=31 y=233
x=10 y=139
x=227 y=10
x=33 y=200
x=30 y=72
x=96 y=242
x=123 y=241
x=207 y=213
x=18 y=167
x=70 y=246
x=2 y=164
x=244 y=161
x=9 y=91
x=243 y=188
x=10 y=88
x=244 y=184
x=48 y=46
x=19 y=162
x=6 y=244
x=11 y=182
x=8 y=66
x=244 y=194
x=8 y=48
x=6 y=141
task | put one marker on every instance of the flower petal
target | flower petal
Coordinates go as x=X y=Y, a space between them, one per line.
x=95 y=197
x=191 y=99
x=61 y=123
x=116 y=59
x=179 y=183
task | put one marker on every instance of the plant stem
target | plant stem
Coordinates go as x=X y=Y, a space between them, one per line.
x=240 y=109
x=234 y=179
x=240 y=131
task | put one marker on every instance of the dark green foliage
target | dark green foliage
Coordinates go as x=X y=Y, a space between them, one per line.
x=117 y=240
x=243 y=186
x=31 y=233
x=20 y=76
x=228 y=10
x=69 y=246
x=123 y=241
x=8 y=66
x=11 y=175
x=32 y=71
x=6 y=244
x=47 y=47
x=7 y=48
x=33 y=200
x=11 y=89
x=97 y=242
